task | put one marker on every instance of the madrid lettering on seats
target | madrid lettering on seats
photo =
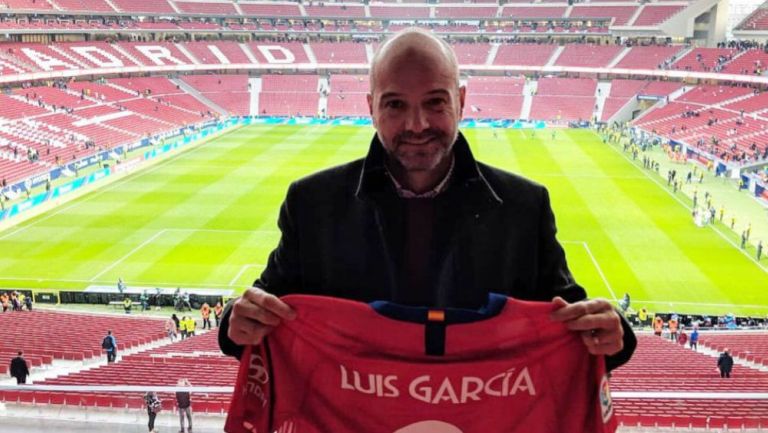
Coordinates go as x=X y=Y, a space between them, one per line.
x=64 y=56
x=436 y=390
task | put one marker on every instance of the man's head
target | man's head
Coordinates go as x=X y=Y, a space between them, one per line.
x=20 y=353
x=416 y=100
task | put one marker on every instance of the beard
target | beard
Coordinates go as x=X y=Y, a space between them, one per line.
x=420 y=152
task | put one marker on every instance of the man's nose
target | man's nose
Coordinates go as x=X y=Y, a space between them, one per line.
x=417 y=120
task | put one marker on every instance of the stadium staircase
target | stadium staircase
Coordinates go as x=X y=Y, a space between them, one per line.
x=492 y=54
x=199 y=96
x=619 y=57
x=601 y=94
x=255 y=84
x=552 y=60
x=633 y=18
x=528 y=91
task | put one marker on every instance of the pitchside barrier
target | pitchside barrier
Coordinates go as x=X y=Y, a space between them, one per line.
x=704 y=410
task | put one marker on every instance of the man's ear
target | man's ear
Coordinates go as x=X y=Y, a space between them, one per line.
x=462 y=98
x=369 y=98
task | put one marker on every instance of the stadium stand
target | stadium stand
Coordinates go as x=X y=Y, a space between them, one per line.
x=620 y=14
x=347 y=96
x=494 y=97
x=65 y=336
x=196 y=358
x=524 y=54
x=650 y=57
x=270 y=9
x=587 y=55
x=226 y=8
x=757 y=20
x=329 y=10
x=653 y=14
x=289 y=95
x=704 y=59
x=340 y=52
x=230 y=92
x=661 y=365
x=750 y=347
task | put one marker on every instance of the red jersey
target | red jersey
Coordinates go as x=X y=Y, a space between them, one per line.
x=349 y=367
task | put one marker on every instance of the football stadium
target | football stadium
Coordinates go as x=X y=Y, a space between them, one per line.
x=146 y=148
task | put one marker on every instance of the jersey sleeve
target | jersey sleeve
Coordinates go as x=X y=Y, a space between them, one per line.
x=251 y=405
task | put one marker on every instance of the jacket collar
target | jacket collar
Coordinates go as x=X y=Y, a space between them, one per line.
x=373 y=178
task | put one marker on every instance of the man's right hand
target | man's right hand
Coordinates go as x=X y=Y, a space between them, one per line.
x=255 y=314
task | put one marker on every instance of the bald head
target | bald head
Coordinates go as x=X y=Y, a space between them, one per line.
x=413 y=45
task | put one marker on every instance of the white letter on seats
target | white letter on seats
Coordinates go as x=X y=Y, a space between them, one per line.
x=156 y=52
x=266 y=50
x=88 y=53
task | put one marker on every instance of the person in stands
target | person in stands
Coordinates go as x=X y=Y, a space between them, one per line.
x=109 y=344
x=419 y=221
x=725 y=364
x=184 y=403
x=19 y=368
x=154 y=405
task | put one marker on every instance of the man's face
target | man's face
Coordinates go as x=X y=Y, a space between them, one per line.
x=416 y=107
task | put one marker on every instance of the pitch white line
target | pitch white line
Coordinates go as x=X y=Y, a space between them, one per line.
x=597 y=266
x=122 y=259
x=712 y=226
x=140 y=283
x=242 y=270
x=698 y=304
x=221 y=230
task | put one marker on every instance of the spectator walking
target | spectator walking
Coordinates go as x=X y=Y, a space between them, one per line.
x=170 y=328
x=205 y=311
x=127 y=304
x=682 y=338
x=154 y=405
x=642 y=317
x=184 y=402
x=19 y=369
x=144 y=299
x=694 y=340
x=183 y=328
x=725 y=364
x=28 y=300
x=191 y=326
x=673 y=324
x=109 y=343
x=658 y=326
x=217 y=312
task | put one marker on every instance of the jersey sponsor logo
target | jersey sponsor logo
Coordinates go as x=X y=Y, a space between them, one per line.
x=258 y=377
x=606 y=403
x=436 y=390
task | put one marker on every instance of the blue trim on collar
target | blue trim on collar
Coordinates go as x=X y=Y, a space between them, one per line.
x=496 y=303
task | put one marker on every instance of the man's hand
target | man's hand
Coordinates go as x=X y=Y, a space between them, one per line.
x=255 y=315
x=597 y=322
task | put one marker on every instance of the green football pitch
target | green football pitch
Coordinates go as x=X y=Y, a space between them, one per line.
x=207 y=218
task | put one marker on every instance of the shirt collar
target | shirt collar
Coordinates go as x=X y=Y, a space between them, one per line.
x=402 y=192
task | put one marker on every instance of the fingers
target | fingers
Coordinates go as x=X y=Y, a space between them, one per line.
x=269 y=302
x=603 y=342
x=567 y=312
x=597 y=322
x=255 y=315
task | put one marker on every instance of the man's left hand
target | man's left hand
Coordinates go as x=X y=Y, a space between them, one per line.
x=597 y=322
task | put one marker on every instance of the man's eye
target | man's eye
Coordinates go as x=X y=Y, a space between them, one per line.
x=437 y=102
x=394 y=104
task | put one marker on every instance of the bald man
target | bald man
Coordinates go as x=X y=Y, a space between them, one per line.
x=418 y=221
